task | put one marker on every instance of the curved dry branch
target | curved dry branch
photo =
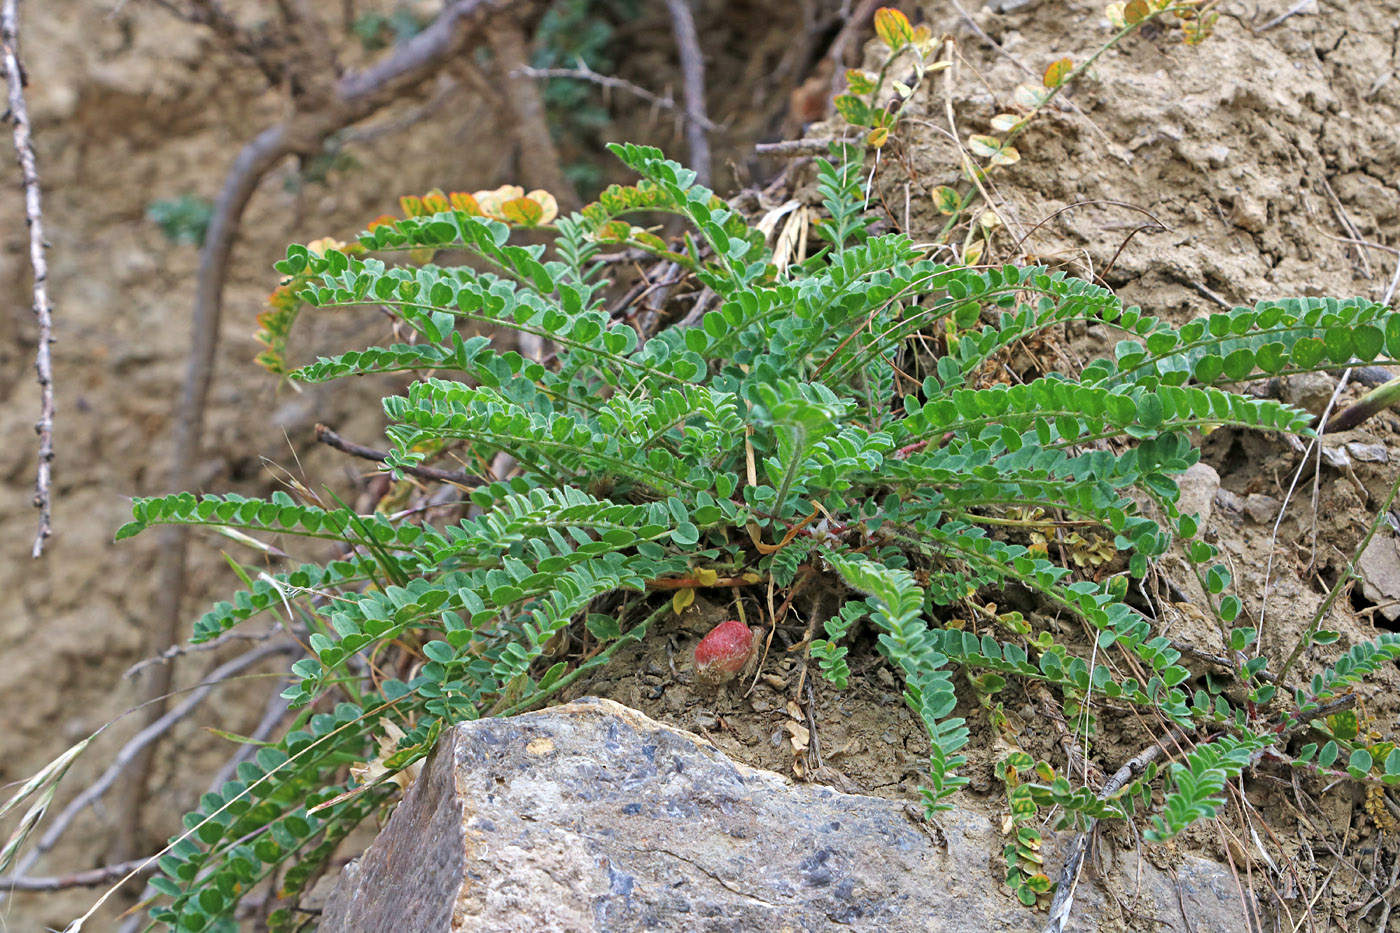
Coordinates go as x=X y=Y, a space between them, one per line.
x=610 y=83
x=34 y=217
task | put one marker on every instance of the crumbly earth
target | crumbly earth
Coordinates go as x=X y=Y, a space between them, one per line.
x=1257 y=151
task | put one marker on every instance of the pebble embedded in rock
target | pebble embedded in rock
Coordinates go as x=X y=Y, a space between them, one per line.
x=1261 y=508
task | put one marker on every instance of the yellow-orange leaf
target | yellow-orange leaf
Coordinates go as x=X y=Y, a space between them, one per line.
x=1135 y=12
x=945 y=200
x=1006 y=155
x=383 y=220
x=1055 y=74
x=614 y=231
x=549 y=207
x=524 y=212
x=320 y=246
x=878 y=136
x=411 y=205
x=435 y=202
x=892 y=27
x=859 y=82
x=490 y=201
x=461 y=201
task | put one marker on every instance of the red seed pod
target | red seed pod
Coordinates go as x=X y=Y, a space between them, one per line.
x=723 y=653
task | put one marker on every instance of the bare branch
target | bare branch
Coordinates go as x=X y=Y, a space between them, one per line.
x=692 y=87
x=179 y=651
x=34 y=217
x=331 y=439
x=81 y=879
x=796 y=148
x=538 y=158
x=584 y=73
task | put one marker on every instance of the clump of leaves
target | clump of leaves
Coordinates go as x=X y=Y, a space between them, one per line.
x=803 y=427
x=377 y=30
x=183 y=220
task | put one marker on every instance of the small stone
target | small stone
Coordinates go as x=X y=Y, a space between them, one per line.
x=1309 y=391
x=1368 y=453
x=1226 y=499
x=1198 y=487
x=1261 y=508
x=1250 y=214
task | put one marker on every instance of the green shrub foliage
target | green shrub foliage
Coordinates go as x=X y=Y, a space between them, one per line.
x=854 y=384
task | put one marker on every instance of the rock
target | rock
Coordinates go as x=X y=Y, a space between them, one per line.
x=1228 y=500
x=591 y=817
x=1380 y=574
x=1368 y=453
x=1198 y=487
x=1263 y=509
x=1250 y=213
x=1309 y=391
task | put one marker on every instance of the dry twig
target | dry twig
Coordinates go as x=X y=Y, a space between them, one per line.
x=607 y=82
x=80 y=879
x=34 y=217
x=692 y=87
x=331 y=439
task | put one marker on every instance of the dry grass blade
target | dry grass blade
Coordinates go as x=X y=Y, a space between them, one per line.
x=45 y=783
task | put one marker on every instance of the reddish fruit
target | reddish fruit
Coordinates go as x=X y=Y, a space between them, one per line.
x=723 y=653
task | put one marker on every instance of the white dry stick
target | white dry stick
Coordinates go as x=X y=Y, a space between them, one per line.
x=34 y=217
x=692 y=87
x=1307 y=454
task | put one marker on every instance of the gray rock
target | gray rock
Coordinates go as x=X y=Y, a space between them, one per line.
x=1261 y=508
x=1368 y=453
x=1198 y=487
x=590 y=817
x=1309 y=391
x=1380 y=574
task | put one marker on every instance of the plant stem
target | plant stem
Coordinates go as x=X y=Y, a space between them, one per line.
x=635 y=633
x=1307 y=636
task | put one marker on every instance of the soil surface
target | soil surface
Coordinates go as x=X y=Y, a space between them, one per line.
x=1185 y=177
